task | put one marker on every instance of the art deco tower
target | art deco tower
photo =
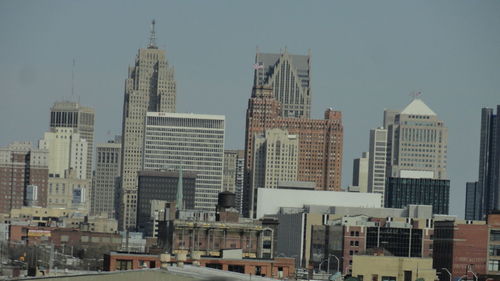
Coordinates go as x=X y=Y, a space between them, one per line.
x=150 y=86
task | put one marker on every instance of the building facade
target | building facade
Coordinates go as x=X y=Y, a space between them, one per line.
x=290 y=78
x=194 y=142
x=234 y=171
x=69 y=192
x=360 y=173
x=377 y=163
x=67 y=114
x=22 y=167
x=407 y=191
x=150 y=86
x=471 y=200
x=320 y=142
x=107 y=173
x=388 y=268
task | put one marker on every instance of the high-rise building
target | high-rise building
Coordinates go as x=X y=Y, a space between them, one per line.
x=230 y=162
x=320 y=142
x=24 y=175
x=107 y=173
x=194 y=142
x=488 y=190
x=377 y=161
x=360 y=173
x=67 y=151
x=290 y=78
x=401 y=192
x=150 y=86
x=417 y=140
x=67 y=114
x=471 y=201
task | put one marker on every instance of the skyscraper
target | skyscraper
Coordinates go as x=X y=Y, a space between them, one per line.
x=107 y=172
x=290 y=78
x=67 y=114
x=377 y=161
x=150 y=86
x=360 y=173
x=471 y=202
x=194 y=142
x=487 y=191
x=234 y=170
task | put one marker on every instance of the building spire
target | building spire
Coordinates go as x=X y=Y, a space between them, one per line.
x=152 y=36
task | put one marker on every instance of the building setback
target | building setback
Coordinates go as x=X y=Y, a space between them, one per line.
x=161 y=185
x=150 y=86
x=402 y=192
x=320 y=142
x=22 y=168
x=107 y=172
x=194 y=142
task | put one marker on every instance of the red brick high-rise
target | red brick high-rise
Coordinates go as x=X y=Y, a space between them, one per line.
x=22 y=166
x=320 y=142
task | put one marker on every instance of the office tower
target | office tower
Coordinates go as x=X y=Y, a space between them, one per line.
x=417 y=140
x=21 y=169
x=107 y=173
x=401 y=192
x=275 y=158
x=240 y=180
x=289 y=76
x=471 y=200
x=360 y=173
x=377 y=161
x=68 y=191
x=150 y=86
x=161 y=185
x=69 y=114
x=67 y=151
x=487 y=197
x=230 y=162
x=320 y=142
x=194 y=142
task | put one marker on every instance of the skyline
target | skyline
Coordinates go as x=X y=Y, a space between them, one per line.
x=447 y=52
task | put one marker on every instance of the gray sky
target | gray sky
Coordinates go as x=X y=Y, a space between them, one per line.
x=366 y=56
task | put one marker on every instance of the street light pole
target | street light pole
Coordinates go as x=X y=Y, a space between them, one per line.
x=447 y=271
x=338 y=261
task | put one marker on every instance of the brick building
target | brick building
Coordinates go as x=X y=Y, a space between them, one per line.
x=320 y=142
x=22 y=168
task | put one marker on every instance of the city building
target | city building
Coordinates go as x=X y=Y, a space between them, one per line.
x=471 y=200
x=67 y=114
x=270 y=200
x=194 y=142
x=360 y=173
x=22 y=169
x=290 y=78
x=234 y=171
x=493 y=248
x=69 y=192
x=141 y=96
x=377 y=163
x=487 y=194
x=390 y=268
x=67 y=151
x=320 y=143
x=161 y=186
x=417 y=141
x=107 y=172
x=401 y=192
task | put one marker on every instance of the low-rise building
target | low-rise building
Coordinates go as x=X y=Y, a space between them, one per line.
x=390 y=268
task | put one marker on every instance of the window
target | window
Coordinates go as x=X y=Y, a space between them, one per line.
x=495 y=235
x=494 y=265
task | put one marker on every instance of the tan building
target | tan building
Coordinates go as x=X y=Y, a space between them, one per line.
x=388 y=268
x=68 y=192
x=230 y=169
x=140 y=97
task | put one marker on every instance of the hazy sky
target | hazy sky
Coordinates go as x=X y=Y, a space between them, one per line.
x=366 y=56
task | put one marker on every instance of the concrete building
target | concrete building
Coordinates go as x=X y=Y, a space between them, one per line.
x=417 y=142
x=360 y=173
x=22 y=168
x=234 y=171
x=269 y=201
x=161 y=185
x=141 y=96
x=67 y=114
x=194 y=142
x=107 y=172
x=290 y=78
x=377 y=163
x=69 y=192
x=275 y=159
x=405 y=191
x=320 y=142
x=487 y=197
x=381 y=268
x=67 y=151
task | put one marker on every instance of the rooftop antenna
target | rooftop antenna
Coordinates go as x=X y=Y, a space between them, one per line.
x=416 y=94
x=73 y=80
x=152 y=37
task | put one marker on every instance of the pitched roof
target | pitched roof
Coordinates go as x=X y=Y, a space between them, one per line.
x=418 y=107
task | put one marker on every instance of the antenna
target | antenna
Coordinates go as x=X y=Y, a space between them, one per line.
x=152 y=37
x=416 y=94
x=73 y=80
